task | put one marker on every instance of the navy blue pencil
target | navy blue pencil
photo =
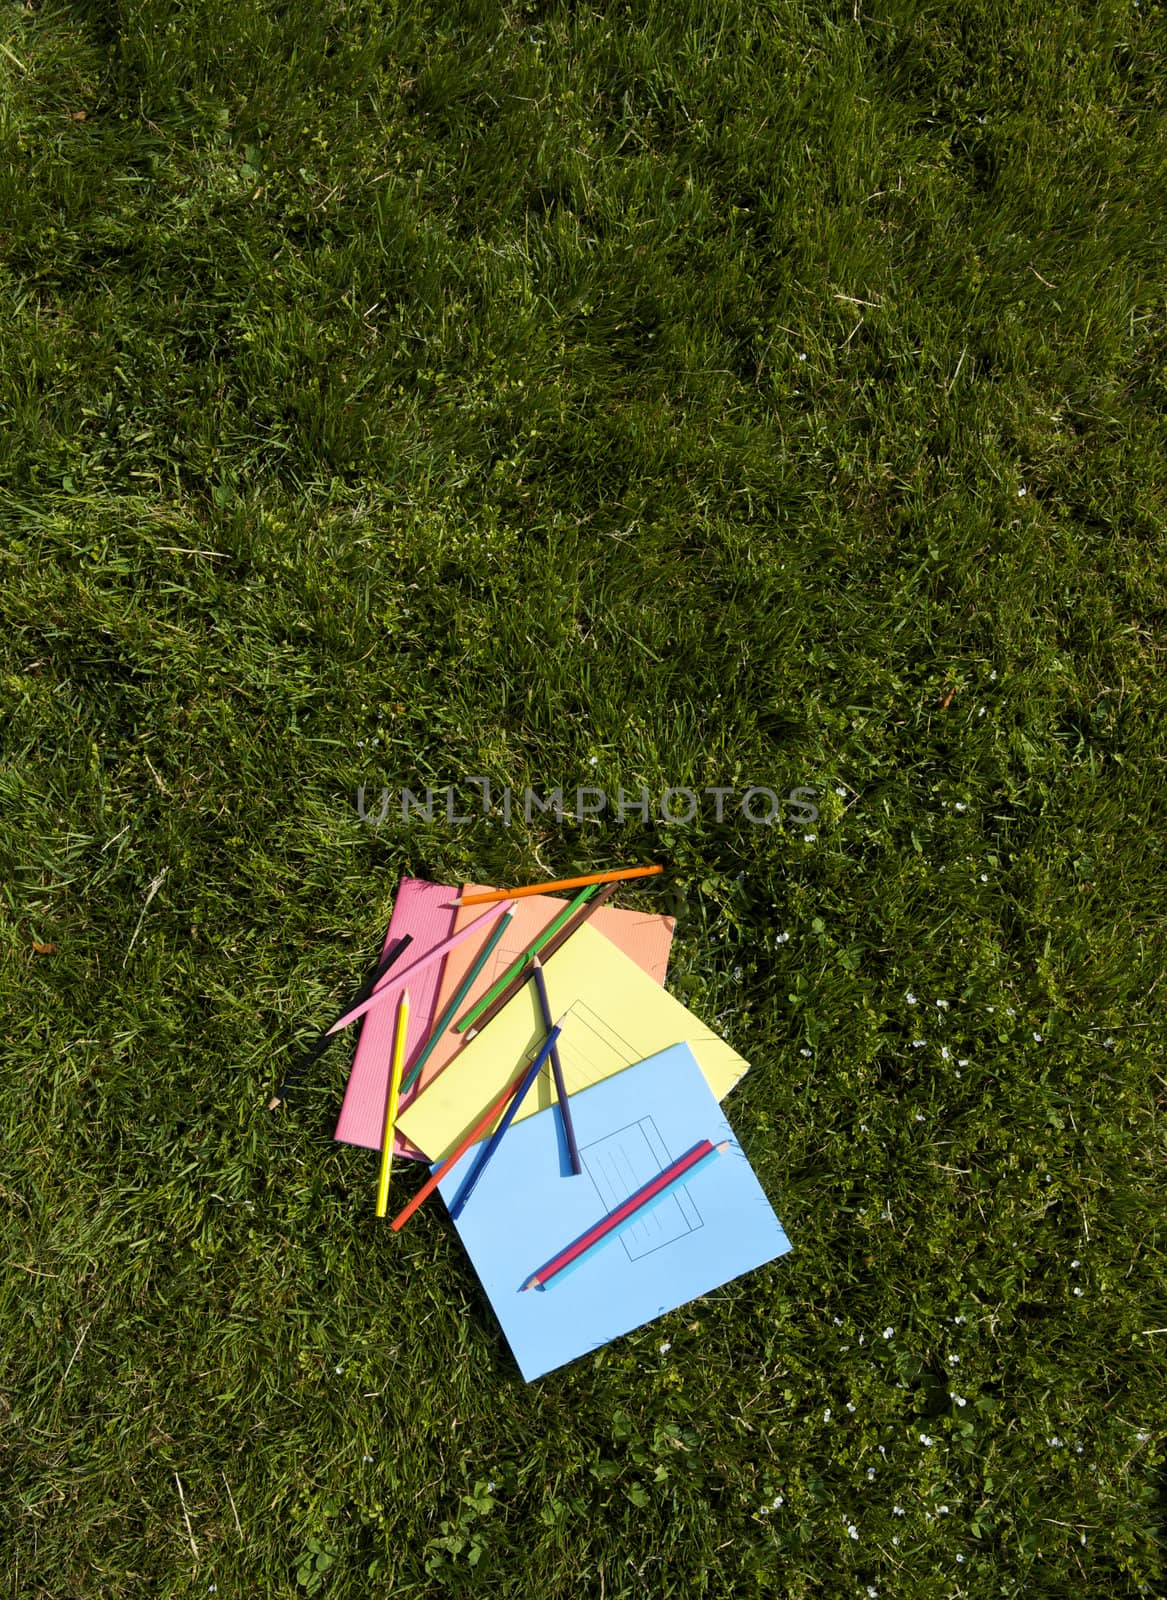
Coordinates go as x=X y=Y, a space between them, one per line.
x=495 y=1139
x=557 y=1069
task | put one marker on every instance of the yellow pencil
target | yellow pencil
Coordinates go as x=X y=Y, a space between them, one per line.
x=401 y=1028
x=560 y=883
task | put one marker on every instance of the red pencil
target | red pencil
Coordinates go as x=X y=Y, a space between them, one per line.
x=627 y=1212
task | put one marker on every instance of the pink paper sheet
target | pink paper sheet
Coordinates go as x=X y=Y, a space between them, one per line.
x=425 y=911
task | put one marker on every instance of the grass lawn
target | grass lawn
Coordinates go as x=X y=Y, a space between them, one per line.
x=647 y=396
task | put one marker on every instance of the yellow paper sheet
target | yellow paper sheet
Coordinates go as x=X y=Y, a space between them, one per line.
x=616 y=1015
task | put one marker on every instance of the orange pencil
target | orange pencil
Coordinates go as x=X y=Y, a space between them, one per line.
x=560 y=883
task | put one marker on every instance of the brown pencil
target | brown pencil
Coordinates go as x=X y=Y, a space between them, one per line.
x=548 y=950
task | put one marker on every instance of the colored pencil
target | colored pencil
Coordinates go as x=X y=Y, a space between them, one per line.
x=395 y=951
x=620 y=876
x=508 y=1117
x=518 y=965
x=399 y=1035
x=553 y=944
x=438 y=951
x=627 y=1212
x=472 y=1136
x=464 y=989
x=557 y=1069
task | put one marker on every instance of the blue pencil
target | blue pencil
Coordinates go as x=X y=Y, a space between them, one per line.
x=495 y=1139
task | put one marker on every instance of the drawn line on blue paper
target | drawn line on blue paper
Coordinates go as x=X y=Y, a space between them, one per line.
x=624 y=1161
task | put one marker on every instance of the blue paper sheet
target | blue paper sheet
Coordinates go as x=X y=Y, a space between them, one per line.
x=526 y=1207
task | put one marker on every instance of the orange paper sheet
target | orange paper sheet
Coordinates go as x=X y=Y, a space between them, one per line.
x=645 y=937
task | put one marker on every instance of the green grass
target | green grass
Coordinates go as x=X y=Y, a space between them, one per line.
x=725 y=395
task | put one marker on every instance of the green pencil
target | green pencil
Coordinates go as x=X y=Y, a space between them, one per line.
x=517 y=965
x=464 y=988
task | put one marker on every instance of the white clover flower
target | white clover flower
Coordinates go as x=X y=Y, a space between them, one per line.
x=889 y=1333
x=1055 y=1441
x=852 y=1531
x=910 y=998
x=776 y=1502
x=918 y=1043
x=942 y=1511
x=895 y=1538
x=827 y=1414
x=1078 y=1292
x=954 y=1361
x=870 y=1473
x=959 y=1557
x=942 y=1005
x=1075 y=1263
x=1037 y=1038
x=593 y=761
x=1021 y=493
x=897 y=1511
x=944 y=1055
x=984 y=877
x=981 y=712
x=366 y=1458
x=958 y=1319
x=666 y=1347
x=842 y=793
x=802 y=355
x=927 y=1439
x=809 y=838
x=850 y=1405
x=919 y=1116
x=963 y=1061
x=339 y=1369
x=993 y=674
x=960 y=806
x=737 y=973
x=838 y=1321
x=804 y=1051
x=959 y=1398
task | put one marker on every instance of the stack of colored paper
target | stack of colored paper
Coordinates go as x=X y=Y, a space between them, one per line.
x=665 y=1206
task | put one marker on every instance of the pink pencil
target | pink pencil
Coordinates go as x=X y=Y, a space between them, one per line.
x=435 y=954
